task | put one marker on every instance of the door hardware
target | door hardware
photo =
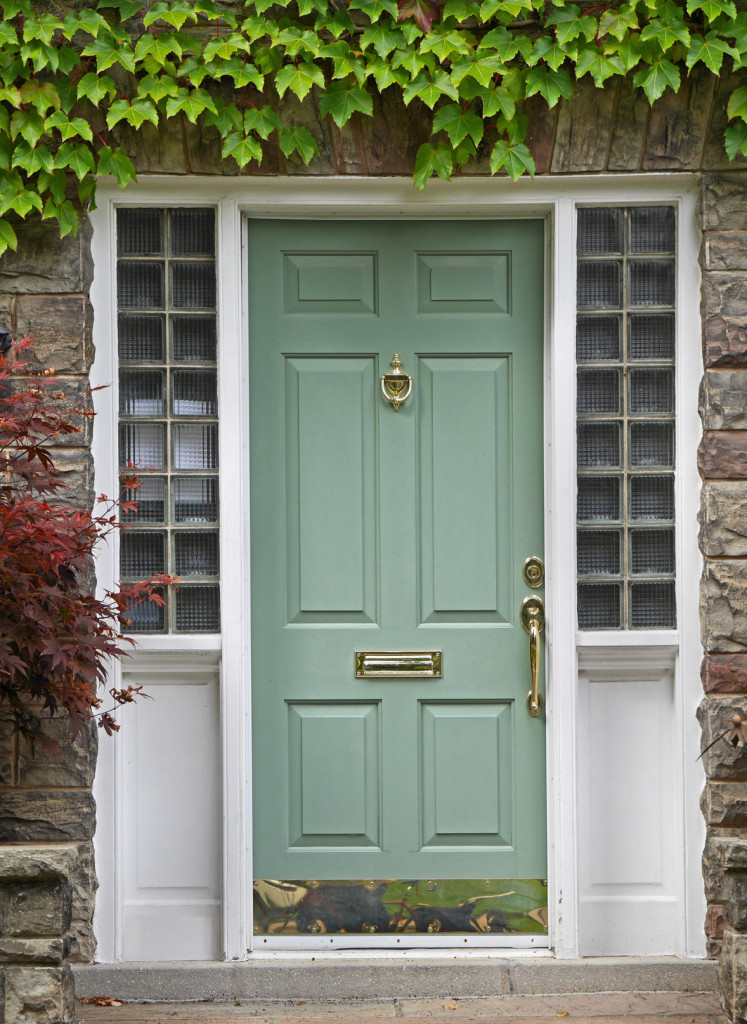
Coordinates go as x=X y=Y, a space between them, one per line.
x=397 y=664
x=534 y=572
x=533 y=621
x=396 y=386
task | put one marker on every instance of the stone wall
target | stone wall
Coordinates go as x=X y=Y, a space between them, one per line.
x=47 y=816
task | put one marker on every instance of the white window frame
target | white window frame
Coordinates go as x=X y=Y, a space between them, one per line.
x=555 y=200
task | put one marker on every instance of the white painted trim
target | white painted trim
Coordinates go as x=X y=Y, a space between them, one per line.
x=359 y=198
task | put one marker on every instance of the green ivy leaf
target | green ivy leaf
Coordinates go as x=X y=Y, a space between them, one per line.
x=157 y=87
x=32 y=160
x=175 y=13
x=515 y=158
x=385 y=75
x=64 y=213
x=502 y=41
x=601 y=66
x=191 y=104
x=712 y=8
x=242 y=148
x=657 y=77
x=41 y=95
x=68 y=128
x=345 y=62
x=6 y=152
x=126 y=8
x=430 y=87
x=28 y=124
x=737 y=105
x=458 y=124
x=480 y=66
x=54 y=183
x=263 y=121
x=227 y=118
x=461 y=10
x=117 y=163
x=241 y=73
x=8 y=239
x=194 y=70
x=374 y=8
x=570 y=24
x=617 y=22
x=735 y=139
x=109 y=52
x=335 y=24
x=550 y=84
x=630 y=51
x=666 y=32
x=96 y=88
x=43 y=27
x=84 y=21
x=443 y=42
x=299 y=78
x=383 y=37
x=710 y=50
x=433 y=158
x=12 y=8
x=412 y=62
x=298 y=140
x=135 y=113
x=342 y=99
x=219 y=47
x=307 y=6
x=79 y=159
x=548 y=50
x=496 y=99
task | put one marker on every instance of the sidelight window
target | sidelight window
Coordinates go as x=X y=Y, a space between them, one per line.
x=168 y=408
x=625 y=346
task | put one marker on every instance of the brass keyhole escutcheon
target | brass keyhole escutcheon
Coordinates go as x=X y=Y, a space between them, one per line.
x=534 y=572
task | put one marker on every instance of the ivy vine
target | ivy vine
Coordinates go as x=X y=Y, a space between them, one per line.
x=67 y=83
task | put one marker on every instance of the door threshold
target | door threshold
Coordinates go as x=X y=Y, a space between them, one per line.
x=399 y=953
x=367 y=945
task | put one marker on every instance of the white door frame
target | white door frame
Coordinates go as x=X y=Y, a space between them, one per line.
x=555 y=200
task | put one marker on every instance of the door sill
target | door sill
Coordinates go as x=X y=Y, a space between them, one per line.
x=502 y=945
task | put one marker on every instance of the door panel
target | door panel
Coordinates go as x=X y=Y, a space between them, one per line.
x=375 y=530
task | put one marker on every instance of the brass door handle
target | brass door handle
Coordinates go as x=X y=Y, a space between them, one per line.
x=533 y=621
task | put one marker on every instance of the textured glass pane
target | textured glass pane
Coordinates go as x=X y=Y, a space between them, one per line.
x=651 y=552
x=652 y=229
x=652 y=444
x=141 y=554
x=195 y=446
x=142 y=445
x=198 y=609
x=597 y=337
x=598 y=444
x=140 y=285
x=651 y=336
x=141 y=339
x=193 y=339
x=196 y=499
x=196 y=554
x=140 y=393
x=599 y=606
x=149 y=499
x=192 y=232
x=651 y=497
x=599 y=284
x=139 y=232
x=194 y=393
x=652 y=606
x=598 y=552
x=598 y=391
x=599 y=231
x=598 y=498
x=146 y=617
x=651 y=283
x=193 y=285
x=651 y=391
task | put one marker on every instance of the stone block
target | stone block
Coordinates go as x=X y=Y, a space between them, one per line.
x=39 y=995
x=69 y=396
x=723 y=399
x=724 y=673
x=724 y=607
x=629 y=128
x=8 y=746
x=725 y=341
x=725 y=293
x=389 y=140
x=726 y=250
x=69 y=762
x=584 y=126
x=27 y=816
x=724 y=804
x=724 y=202
x=723 y=518
x=40 y=863
x=45 y=263
x=32 y=951
x=735 y=899
x=715 y=154
x=715 y=922
x=76 y=466
x=722 y=759
x=38 y=909
x=732 y=975
x=678 y=123
x=61 y=327
x=722 y=455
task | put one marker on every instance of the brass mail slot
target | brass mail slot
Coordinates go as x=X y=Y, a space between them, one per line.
x=392 y=664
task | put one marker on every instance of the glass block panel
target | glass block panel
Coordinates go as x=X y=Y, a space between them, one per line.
x=652 y=444
x=652 y=229
x=146 y=616
x=651 y=336
x=198 y=609
x=140 y=393
x=195 y=499
x=195 y=445
x=651 y=391
x=139 y=232
x=140 y=285
x=651 y=497
x=598 y=444
x=192 y=232
x=599 y=606
x=597 y=338
x=598 y=391
x=651 y=552
x=598 y=552
x=193 y=339
x=653 y=605
x=141 y=554
x=194 y=393
x=142 y=445
x=196 y=554
x=598 y=284
x=651 y=283
x=141 y=339
x=193 y=285
x=598 y=498
x=599 y=231
x=150 y=501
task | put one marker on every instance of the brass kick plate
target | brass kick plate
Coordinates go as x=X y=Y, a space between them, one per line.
x=397 y=664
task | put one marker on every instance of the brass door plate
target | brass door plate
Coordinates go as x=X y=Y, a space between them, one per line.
x=534 y=572
x=397 y=664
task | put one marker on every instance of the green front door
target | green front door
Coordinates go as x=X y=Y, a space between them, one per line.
x=376 y=530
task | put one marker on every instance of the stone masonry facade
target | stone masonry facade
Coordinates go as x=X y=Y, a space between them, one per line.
x=47 y=817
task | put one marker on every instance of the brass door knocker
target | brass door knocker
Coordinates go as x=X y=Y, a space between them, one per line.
x=396 y=386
